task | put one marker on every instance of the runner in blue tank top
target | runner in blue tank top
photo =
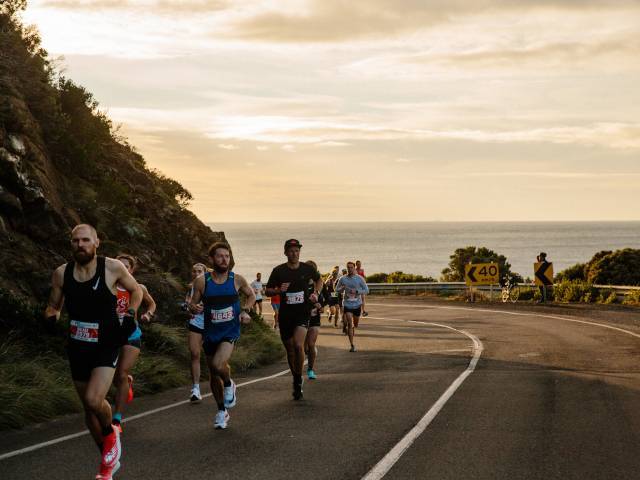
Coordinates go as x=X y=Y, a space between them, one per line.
x=223 y=314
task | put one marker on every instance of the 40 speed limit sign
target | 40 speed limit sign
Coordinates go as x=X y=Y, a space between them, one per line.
x=481 y=274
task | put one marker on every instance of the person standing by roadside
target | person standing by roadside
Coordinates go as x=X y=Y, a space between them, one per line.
x=542 y=258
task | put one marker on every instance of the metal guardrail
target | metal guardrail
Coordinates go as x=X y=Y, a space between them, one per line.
x=461 y=286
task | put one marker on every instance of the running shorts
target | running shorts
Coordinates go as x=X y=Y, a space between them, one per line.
x=210 y=347
x=84 y=358
x=288 y=326
x=275 y=306
x=314 y=321
x=355 y=311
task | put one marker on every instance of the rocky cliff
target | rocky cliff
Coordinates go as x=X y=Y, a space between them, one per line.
x=61 y=163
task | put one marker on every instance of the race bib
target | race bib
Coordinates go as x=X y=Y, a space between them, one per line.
x=223 y=315
x=334 y=294
x=295 y=298
x=84 y=331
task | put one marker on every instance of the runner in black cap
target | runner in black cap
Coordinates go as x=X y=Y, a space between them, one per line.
x=291 y=280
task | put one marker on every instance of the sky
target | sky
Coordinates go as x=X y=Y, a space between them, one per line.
x=367 y=110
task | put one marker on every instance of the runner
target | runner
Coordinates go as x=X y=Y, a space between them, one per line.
x=290 y=280
x=340 y=307
x=258 y=290
x=196 y=330
x=87 y=286
x=130 y=351
x=314 y=326
x=275 y=305
x=360 y=271
x=332 y=296
x=223 y=314
x=353 y=286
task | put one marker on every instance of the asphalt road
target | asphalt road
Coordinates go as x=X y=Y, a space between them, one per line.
x=548 y=399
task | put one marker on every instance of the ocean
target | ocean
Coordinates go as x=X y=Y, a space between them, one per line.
x=422 y=247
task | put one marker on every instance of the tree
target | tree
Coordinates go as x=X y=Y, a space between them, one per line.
x=462 y=256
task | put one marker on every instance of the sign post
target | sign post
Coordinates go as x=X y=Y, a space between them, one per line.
x=481 y=274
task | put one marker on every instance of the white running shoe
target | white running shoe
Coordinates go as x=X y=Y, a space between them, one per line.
x=222 y=418
x=230 y=395
x=196 y=397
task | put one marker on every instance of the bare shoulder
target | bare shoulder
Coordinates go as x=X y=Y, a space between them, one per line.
x=113 y=265
x=58 y=274
x=240 y=280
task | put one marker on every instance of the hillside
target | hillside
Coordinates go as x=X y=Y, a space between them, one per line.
x=62 y=162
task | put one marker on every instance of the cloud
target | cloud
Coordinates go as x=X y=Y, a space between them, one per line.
x=339 y=21
x=228 y=146
x=156 y=7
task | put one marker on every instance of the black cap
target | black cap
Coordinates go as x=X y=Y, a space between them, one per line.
x=292 y=242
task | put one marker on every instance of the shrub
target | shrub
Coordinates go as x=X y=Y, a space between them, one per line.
x=576 y=272
x=398 y=277
x=575 y=291
x=632 y=298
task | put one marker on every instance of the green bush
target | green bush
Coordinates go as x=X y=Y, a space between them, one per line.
x=621 y=267
x=632 y=298
x=576 y=272
x=575 y=291
x=397 y=277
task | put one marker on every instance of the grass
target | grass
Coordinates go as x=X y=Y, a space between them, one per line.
x=35 y=385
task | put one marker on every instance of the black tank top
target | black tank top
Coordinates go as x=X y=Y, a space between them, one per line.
x=91 y=304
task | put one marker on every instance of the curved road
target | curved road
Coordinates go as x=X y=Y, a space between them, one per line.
x=548 y=399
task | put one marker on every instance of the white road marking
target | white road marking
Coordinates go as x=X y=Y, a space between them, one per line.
x=504 y=312
x=129 y=419
x=389 y=460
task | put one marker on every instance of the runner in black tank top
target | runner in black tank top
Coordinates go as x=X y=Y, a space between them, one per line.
x=87 y=286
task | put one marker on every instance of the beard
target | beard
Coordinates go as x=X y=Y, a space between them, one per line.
x=220 y=268
x=82 y=257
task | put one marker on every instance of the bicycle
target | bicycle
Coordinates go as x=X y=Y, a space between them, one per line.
x=510 y=290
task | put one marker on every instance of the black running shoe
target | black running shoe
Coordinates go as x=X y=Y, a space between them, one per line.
x=297 y=391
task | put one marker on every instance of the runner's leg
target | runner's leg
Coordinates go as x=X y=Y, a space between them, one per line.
x=310 y=346
x=195 y=346
x=126 y=361
x=348 y=318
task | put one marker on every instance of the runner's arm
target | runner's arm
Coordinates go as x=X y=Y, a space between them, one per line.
x=244 y=287
x=365 y=287
x=197 y=291
x=148 y=300
x=273 y=285
x=56 y=297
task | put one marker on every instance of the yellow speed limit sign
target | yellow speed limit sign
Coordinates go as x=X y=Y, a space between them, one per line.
x=481 y=274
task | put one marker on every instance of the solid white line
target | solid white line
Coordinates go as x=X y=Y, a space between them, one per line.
x=390 y=459
x=128 y=419
x=519 y=314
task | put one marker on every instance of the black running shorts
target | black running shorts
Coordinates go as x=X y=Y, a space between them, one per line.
x=288 y=326
x=354 y=311
x=84 y=358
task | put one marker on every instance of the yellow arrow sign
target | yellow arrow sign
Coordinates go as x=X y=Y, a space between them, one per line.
x=481 y=274
x=543 y=273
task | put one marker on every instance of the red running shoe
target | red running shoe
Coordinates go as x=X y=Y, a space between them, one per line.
x=106 y=473
x=130 y=396
x=111 y=449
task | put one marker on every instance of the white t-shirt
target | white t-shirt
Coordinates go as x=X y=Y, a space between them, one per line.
x=257 y=289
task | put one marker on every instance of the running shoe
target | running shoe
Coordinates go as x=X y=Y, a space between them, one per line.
x=130 y=395
x=297 y=390
x=365 y=314
x=230 y=395
x=111 y=449
x=107 y=473
x=353 y=348
x=222 y=419
x=311 y=374
x=195 y=394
